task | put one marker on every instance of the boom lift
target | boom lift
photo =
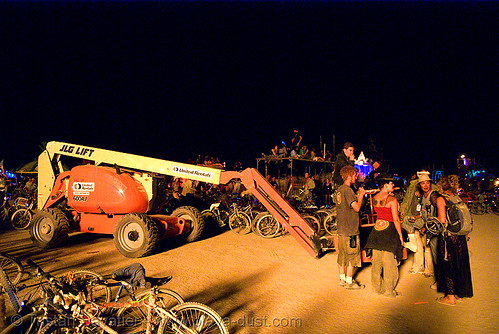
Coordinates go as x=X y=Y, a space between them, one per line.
x=111 y=195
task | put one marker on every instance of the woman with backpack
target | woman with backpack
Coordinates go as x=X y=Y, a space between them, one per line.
x=453 y=272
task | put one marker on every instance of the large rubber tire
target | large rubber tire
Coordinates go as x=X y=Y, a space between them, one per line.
x=12 y=268
x=49 y=228
x=28 y=324
x=198 y=317
x=136 y=235
x=21 y=219
x=197 y=222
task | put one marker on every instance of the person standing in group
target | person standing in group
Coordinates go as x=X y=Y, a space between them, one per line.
x=308 y=189
x=413 y=222
x=452 y=271
x=409 y=212
x=328 y=191
x=428 y=211
x=296 y=141
x=344 y=158
x=283 y=150
x=274 y=151
x=347 y=207
x=304 y=152
x=385 y=239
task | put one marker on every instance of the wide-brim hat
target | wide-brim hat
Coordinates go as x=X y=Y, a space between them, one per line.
x=423 y=177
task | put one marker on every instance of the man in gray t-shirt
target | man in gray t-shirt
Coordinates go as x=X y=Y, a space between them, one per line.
x=347 y=207
x=347 y=217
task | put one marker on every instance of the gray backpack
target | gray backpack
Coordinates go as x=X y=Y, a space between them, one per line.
x=459 y=219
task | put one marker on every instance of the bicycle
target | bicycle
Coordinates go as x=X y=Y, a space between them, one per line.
x=186 y=317
x=12 y=267
x=479 y=206
x=165 y=298
x=21 y=218
x=266 y=225
x=484 y=203
x=241 y=219
x=329 y=221
x=30 y=316
x=17 y=209
x=216 y=215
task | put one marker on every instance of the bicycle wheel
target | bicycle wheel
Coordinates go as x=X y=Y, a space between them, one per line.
x=28 y=324
x=197 y=317
x=223 y=218
x=21 y=219
x=240 y=223
x=313 y=222
x=12 y=267
x=68 y=326
x=267 y=226
x=88 y=281
x=322 y=214
x=132 y=319
x=330 y=224
x=10 y=290
x=210 y=218
x=256 y=218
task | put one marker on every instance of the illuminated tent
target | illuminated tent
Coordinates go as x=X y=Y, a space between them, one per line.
x=363 y=165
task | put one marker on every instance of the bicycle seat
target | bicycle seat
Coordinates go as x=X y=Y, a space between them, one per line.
x=158 y=281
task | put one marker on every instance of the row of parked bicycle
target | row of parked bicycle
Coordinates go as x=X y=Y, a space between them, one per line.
x=82 y=301
x=243 y=216
x=482 y=203
x=17 y=208
x=248 y=215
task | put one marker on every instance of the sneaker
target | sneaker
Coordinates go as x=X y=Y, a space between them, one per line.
x=411 y=246
x=355 y=286
x=343 y=283
x=415 y=271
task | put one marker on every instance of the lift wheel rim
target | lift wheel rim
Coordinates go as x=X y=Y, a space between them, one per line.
x=131 y=236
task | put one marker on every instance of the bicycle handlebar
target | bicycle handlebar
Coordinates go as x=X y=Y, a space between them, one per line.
x=51 y=279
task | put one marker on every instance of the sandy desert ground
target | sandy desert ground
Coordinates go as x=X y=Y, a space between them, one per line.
x=274 y=286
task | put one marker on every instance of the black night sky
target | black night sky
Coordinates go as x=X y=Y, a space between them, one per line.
x=176 y=79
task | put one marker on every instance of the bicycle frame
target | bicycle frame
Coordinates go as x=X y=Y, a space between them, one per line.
x=150 y=303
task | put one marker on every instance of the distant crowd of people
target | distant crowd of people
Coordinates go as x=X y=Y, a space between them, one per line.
x=298 y=149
